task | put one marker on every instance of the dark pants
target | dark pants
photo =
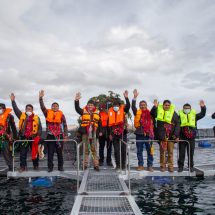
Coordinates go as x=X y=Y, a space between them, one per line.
x=7 y=154
x=116 y=145
x=183 y=146
x=102 y=142
x=54 y=146
x=140 y=143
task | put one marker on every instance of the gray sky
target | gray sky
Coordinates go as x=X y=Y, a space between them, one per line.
x=165 y=49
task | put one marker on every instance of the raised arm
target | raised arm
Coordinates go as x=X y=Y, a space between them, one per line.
x=133 y=106
x=127 y=102
x=154 y=109
x=42 y=105
x=16 y=110
x=203 y=111
x=77 y=105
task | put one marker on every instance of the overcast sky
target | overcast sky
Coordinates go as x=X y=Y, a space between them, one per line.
x=165 y=49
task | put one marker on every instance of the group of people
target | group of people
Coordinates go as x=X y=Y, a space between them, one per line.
x=30 y=133
x=106 y=124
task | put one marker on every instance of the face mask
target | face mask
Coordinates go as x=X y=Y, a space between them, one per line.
x=28 y=113
x=1 y=111
x=116 y=108
x=186 y=111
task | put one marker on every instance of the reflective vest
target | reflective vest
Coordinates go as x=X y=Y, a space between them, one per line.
x=4 y=116
x=104 y=118
x=35 y=122
x=86 y=118
x=54 y=116
x=116 y=118
x=137 y=118
x=188 y=119
x=165 y=116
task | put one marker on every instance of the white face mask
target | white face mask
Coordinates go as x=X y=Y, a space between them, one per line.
x=28 y=113
x=1 y=111
x=186 y=111
x=115 y=108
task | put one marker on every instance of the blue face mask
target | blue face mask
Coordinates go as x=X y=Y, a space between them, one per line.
x=116 y=108
x=1 y=111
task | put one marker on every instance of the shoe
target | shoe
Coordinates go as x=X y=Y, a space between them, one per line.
x=170 y=169
x=96 y=168
x=109 y=164
x=50 y=169
x=61 y=168
x=22 y=169
x=36 y=168
x=85 y=167
x=139 y=168
x=150 y=169
x=162 y=169
x=180 y=169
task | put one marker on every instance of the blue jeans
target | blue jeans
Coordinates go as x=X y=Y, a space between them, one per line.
x=140 y=145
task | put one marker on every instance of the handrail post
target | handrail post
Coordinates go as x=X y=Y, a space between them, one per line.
x=129 y=178
x=78 y=163
x=120 y=155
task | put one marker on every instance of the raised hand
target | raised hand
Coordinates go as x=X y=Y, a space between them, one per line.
x=202 y=103
x=155 y=102
x=125 y=94
x=41 y=94
x=135 y=93
x=78 y=96
x=12 y=97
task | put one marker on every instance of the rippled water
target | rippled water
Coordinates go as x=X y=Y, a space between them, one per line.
x=182 y=196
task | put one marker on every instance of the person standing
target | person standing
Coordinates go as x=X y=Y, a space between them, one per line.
x=188 y=123
x=144 y=132
x=167 y=131
x=56 y=128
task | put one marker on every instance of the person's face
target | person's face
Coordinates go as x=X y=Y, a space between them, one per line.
x=166 y=106
x=2 y=110
x=143 y=106
x=29 y=109
x=55 y=107
x=90 y=106
x=186 y=109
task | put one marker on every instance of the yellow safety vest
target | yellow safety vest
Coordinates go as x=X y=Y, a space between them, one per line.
x=188 y=119
x=86 y=119
x=165 y=116
x=35 y=123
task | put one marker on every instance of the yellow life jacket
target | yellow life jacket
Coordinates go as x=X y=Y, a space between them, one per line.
x=86 y=118
x=165 y=116
x=4 y=116
x=35 y=122
x=188 y=119
x=137 y=118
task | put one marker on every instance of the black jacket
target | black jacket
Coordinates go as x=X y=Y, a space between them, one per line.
x=193 y=130
x=160 y=131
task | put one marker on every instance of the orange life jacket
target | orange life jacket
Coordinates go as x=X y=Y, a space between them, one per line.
x=53 y=116
x=4 y=116
x=86 y=119
x=104 y=118
x=35 y=122
x=116 y=118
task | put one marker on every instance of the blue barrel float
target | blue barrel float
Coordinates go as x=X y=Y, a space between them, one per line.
x=43 y=182
x=205 y=144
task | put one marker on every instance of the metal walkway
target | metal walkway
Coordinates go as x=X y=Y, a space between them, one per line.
x=104 y=193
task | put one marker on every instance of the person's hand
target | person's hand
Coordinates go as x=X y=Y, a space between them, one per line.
x=41 y=94
x=155 y=103
x=100 y=134
x=135 y=93
x=12 y=97
x=110 y=137
x=125 y=94
x=78 y=96
x=202 y=103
